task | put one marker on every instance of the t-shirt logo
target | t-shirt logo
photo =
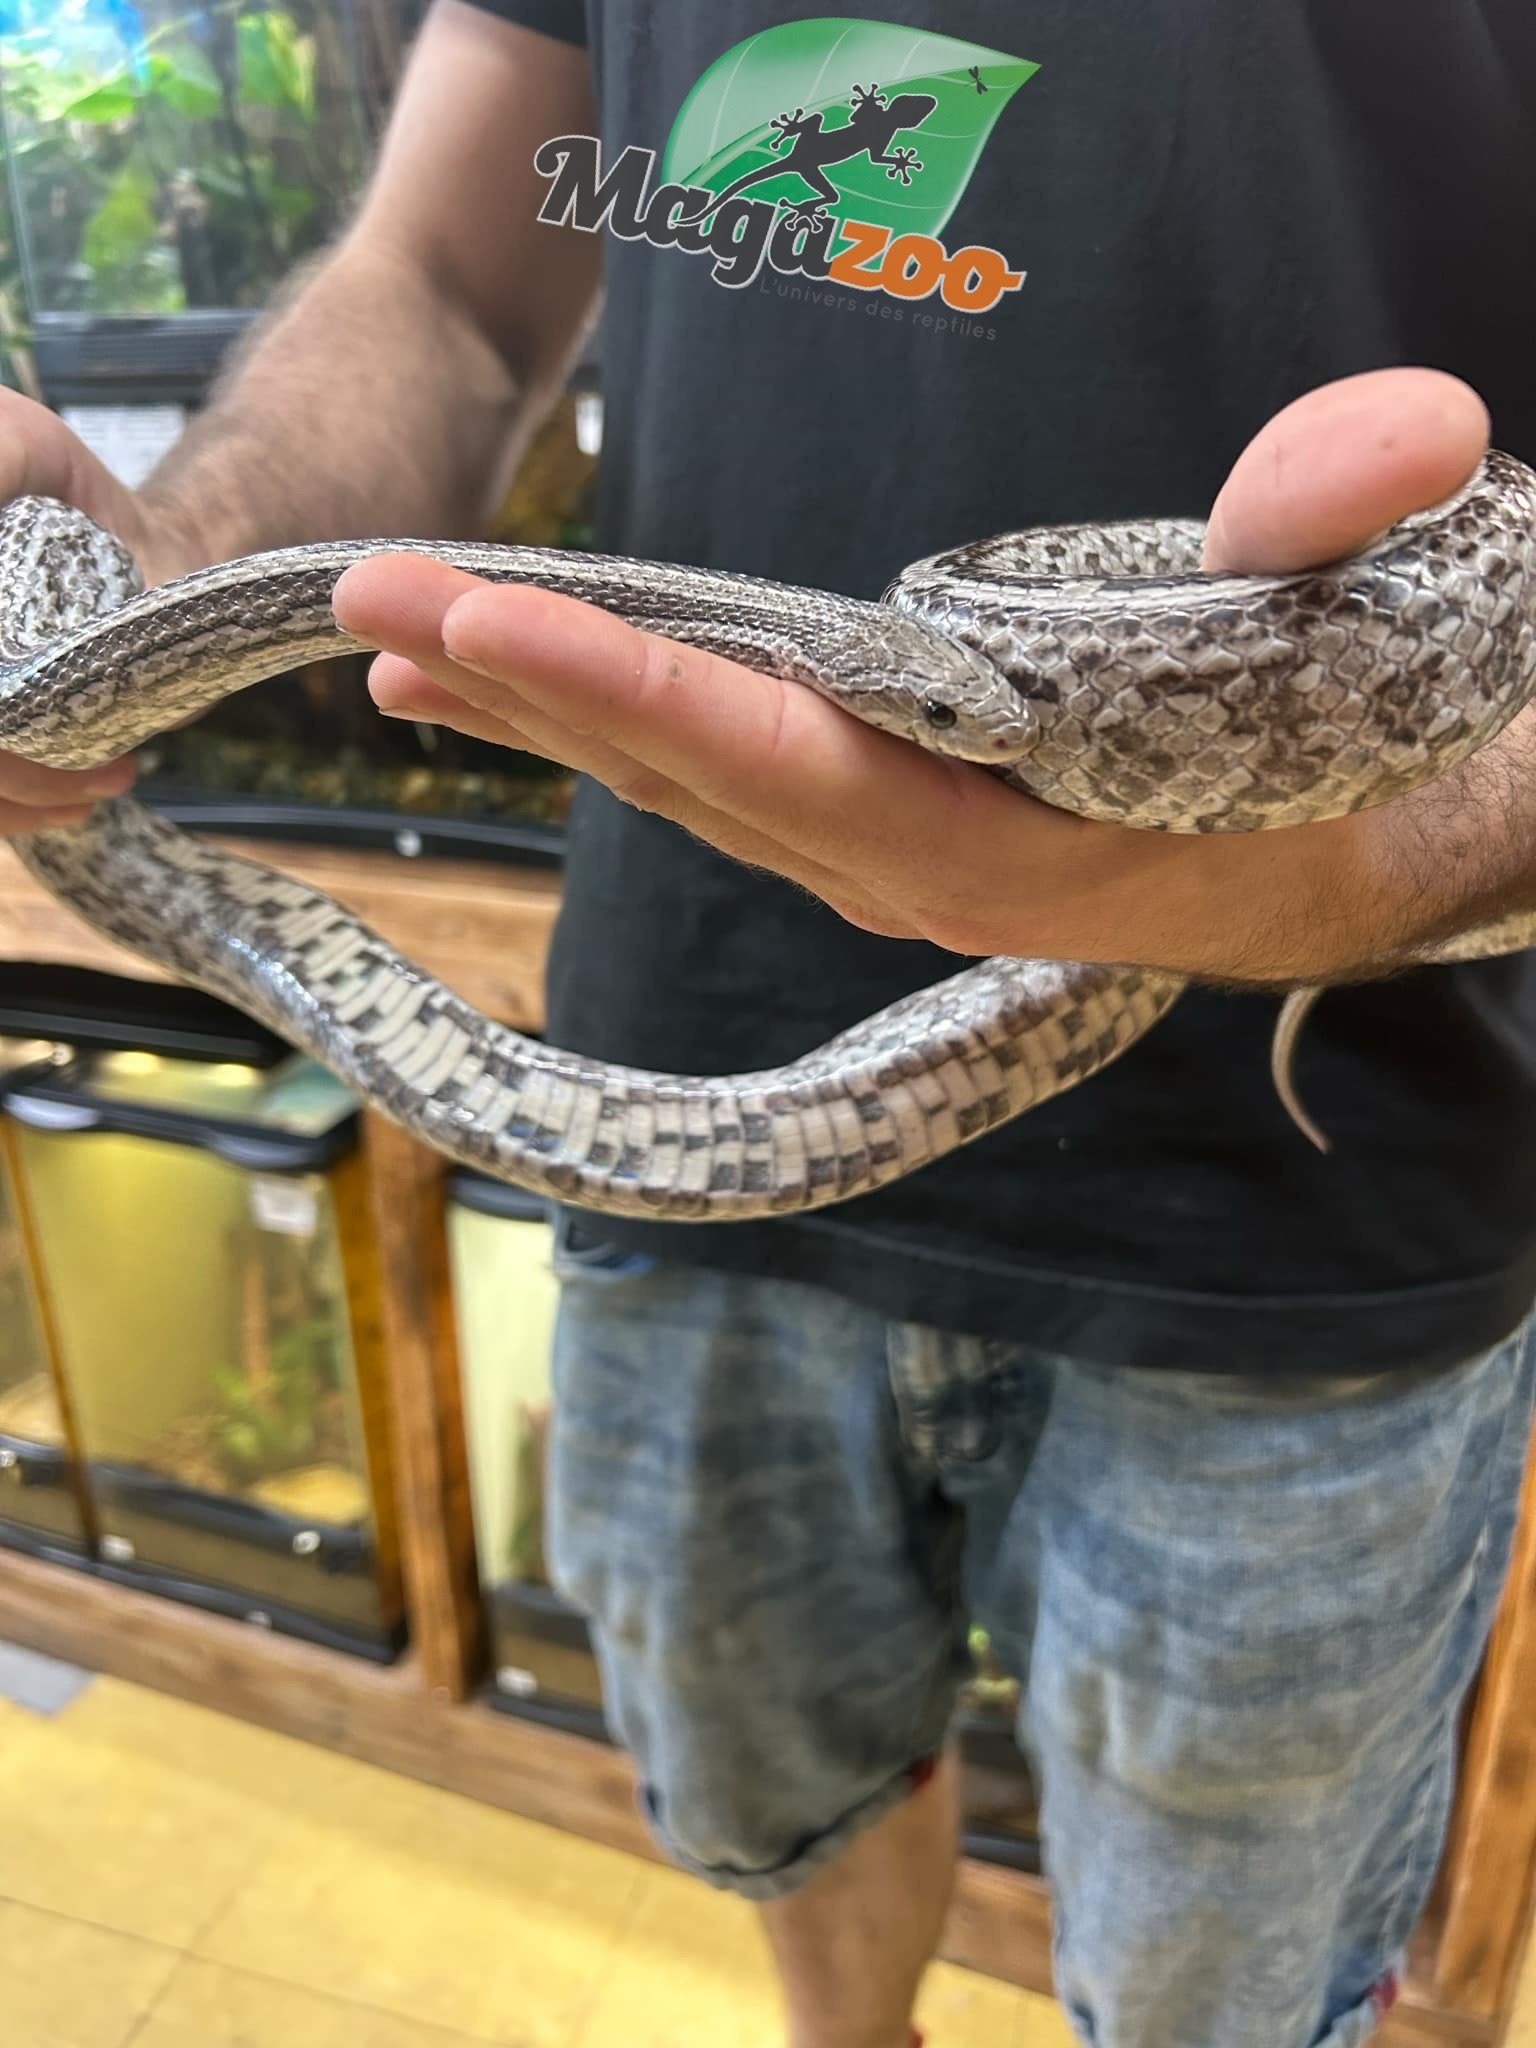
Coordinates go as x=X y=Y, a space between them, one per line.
x=830 y=149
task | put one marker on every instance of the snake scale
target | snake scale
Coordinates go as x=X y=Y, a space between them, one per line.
x=1095 y=667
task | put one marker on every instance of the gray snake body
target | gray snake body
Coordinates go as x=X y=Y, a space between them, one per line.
x=1093 y=667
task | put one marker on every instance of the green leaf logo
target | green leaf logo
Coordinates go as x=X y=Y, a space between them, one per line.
x=730 y=122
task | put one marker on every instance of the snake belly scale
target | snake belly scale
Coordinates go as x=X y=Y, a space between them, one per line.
x=1094 y=667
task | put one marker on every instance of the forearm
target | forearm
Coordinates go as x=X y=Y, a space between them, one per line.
x=365 y=403
x=1463 y=850
x=1357 y=898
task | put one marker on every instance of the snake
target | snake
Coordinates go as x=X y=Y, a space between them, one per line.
x=1095 y=667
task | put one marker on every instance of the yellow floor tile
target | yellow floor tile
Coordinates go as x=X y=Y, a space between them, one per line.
x=1521 y=2032
x=689 y=1970
x=207 y=2006
x=333 y=1904
x=66 y=1985
x=959 y=2009
x=109 y=1835
x=273 y=1771
x=1040 y=2023
x=436 y=1909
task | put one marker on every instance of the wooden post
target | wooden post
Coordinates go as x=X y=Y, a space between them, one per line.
x=1490 y=1858
x=436 y=1518
x=40 y=1289
x=359 y=1254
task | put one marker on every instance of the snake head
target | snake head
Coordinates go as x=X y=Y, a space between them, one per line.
x=914 y=681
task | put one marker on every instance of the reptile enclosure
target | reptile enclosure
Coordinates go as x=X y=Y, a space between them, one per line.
x=484 y=931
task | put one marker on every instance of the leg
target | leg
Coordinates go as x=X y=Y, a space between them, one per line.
x=1259 y=1610
x=773 y=1581
x=852 y=1945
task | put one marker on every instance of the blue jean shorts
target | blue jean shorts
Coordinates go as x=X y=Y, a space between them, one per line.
x=1244 y=1614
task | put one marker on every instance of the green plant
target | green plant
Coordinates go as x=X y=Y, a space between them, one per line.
x=165 y=156
x=270 y=1424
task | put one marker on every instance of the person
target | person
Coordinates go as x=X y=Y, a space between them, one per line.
x=1222 y=1439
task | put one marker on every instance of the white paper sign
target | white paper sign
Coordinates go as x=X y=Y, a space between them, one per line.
x=128 y=439
x=283 y=1205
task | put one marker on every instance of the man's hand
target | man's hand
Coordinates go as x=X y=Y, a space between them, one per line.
x=905 y=843
x=40 y=457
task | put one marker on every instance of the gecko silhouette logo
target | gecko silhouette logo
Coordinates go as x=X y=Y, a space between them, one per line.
x=832 y=149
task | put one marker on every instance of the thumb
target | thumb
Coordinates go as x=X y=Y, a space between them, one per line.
x=1341 y=465
x=41 y=457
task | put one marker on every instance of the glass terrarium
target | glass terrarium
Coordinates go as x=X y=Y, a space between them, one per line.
x=168 y=165
x=504 y=1300
x=201 y=1229
x=997 y=1793
x=307 y=756
x=40 y=1500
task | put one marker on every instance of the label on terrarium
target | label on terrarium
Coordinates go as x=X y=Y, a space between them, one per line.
x=283 y=1205
x=128 y=439
x=589 y=422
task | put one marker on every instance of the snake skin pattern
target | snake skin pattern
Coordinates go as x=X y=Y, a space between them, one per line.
x=1094 y=667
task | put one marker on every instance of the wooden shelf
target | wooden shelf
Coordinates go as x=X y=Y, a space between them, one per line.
x=485 y=931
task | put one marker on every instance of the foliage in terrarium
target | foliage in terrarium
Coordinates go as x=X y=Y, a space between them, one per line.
x=276 y=1406
x=165 y=157
x=273 y=1422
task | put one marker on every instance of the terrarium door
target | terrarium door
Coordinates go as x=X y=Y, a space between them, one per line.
x=504 y=1302
x=202 y=1227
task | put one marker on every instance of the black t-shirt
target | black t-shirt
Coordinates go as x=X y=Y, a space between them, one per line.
x=1215 y=208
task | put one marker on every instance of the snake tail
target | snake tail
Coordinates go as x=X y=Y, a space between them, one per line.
x=1294 y=1012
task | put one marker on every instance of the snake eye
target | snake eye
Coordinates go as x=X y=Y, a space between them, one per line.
x=939 y=714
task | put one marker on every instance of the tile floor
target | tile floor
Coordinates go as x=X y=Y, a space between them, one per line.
x=173 y=1879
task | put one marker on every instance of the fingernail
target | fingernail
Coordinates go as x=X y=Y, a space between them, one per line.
x=455 y=654
x=468 y=661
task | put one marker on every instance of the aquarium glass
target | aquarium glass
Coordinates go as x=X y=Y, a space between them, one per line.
x=165 y=158
x=505 y=1297
x=169 y=160
x=314 y=740
x=203 y=1323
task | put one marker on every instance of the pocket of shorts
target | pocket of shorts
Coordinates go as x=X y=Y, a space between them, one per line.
x=581 y=1252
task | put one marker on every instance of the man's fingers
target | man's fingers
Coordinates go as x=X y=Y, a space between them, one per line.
x=569 y=653
x=775 y=756
x=438 y=691
x=24 y=783
x=405 y=690
x=397 y=601
x=1342 y=464
x=402 y=689
x=16 y=819
x=40 y=457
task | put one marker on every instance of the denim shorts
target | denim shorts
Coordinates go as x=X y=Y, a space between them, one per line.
x=1244 y=1614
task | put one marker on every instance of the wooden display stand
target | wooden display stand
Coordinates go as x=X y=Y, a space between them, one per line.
x=485 y=931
